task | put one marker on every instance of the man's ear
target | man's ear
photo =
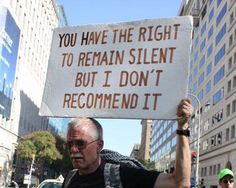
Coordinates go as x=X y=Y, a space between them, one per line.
x=100 y=146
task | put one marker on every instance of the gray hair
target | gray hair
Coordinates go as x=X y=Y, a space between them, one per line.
x=99 y=130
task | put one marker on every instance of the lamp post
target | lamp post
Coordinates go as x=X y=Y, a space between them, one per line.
x=31 y=169
x=198 y=138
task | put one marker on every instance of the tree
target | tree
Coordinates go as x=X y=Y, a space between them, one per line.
x=148 y=164
x=42 y=144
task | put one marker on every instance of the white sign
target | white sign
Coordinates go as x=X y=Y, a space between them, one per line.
x=125 y=70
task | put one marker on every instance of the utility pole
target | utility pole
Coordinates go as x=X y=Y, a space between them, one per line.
x=31 y=169
x=198 y=139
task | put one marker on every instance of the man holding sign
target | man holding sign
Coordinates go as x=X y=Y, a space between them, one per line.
x=85 y=143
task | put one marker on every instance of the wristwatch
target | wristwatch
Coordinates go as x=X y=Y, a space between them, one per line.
x=185 y=132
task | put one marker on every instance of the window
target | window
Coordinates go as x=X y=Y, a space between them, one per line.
x=228 y=110
x=200 y=95
x=203 y=44
x=202 y=62
x=230 y=63
x=195 y=71
x=234 y=106
x=219 y=75
x=208 y=87
x=234 y=82
x=230 y=40
x=203 y=28
x=232 y=131
x=211 y=14
x=220 y=35
x=201 y=79
x=221 y=14
x=213 y=141
x=219 y=138
x=218 y=2
x=196 y=41
x=218 y=96
x=231 y=19
x=227 y=135
x=209 y=50
x=209 y=68
x=229 y=86
x=220 y=54
x=210 y=32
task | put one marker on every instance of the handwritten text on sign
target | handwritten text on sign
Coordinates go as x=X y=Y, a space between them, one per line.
x=125 y=70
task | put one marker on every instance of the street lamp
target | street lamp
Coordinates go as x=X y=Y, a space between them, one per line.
x=198 y=138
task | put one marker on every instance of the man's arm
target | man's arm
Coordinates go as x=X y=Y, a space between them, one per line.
x=181 y=176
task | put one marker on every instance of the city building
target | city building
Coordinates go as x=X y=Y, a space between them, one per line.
x=212 y=81
x=135 y=151
x=26 y=29
x=212 y=88
x=144 y=149
x=163 y=144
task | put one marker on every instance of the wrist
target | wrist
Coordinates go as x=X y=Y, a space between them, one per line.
x=183 y=132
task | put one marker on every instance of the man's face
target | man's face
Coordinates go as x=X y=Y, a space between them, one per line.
x=227 y=182
x=83 y=146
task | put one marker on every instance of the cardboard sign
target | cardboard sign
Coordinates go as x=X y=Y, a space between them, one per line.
x=125 y=70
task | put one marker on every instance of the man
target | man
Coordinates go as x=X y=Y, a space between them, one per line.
x=85 y=142
x=226 y=178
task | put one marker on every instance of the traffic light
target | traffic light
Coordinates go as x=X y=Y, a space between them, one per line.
x=194 y=157
x=202 y=181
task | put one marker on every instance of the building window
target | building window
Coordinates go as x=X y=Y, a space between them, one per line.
x=234 y=106
x=227 y=135
x=219 y=75
x=203 y=44
x=230 y=40
x=209 y=50
x=208 y=87
x=230 y=63
x=221 y=14
x=213 y=141
x=220 y=54
x=218 y=96
x=221 y=34
x=210 y=32
x=234 y=81
x=229 y=86
x=202 y=62
x=203 y=28
x=211 y=14
x=209 y=68
x=201 y=79
x=232 y=131
x=228 y=110
x=205 y=145
x=219 y=138
x=218 y=2
x=231 y=18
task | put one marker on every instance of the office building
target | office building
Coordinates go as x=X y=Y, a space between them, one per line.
x=212 y=80
x=24 y=59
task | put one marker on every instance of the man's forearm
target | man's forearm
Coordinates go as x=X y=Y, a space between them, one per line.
x=182 y=171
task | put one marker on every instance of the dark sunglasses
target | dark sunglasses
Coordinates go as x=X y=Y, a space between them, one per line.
x=79 y=144
x=226 y=181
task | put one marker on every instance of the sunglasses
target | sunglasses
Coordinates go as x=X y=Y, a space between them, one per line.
x=79 y=144
x=226 y=181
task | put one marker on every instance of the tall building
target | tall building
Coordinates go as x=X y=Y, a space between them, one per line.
x=144 y=149
x=163 y=144
x=212 y=81
x=25 y=41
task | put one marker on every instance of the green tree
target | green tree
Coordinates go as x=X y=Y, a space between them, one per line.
x=41 y=144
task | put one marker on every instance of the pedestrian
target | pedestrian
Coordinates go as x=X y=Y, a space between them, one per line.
x=85 y=143
x=226 y=178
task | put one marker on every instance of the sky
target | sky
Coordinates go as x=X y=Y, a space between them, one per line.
x=119 y=134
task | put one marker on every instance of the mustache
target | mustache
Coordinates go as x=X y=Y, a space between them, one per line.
x=76 y=155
